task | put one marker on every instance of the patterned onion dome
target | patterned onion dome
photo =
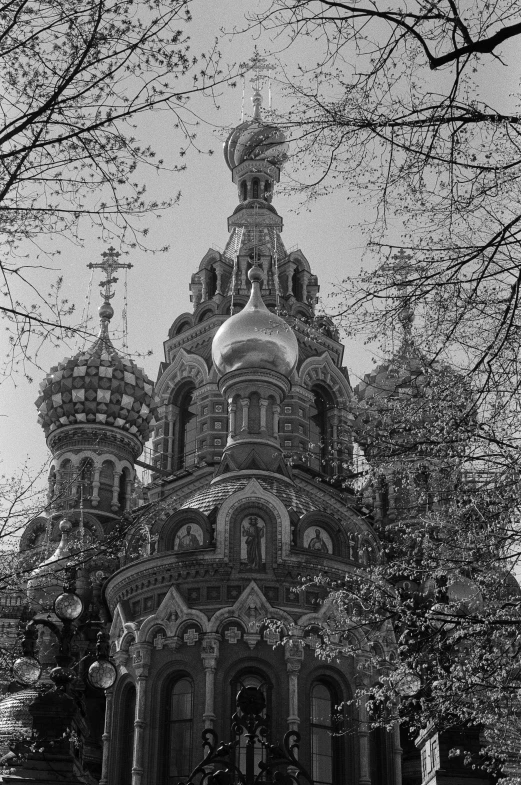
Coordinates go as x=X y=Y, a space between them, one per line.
x=98 y=386
x=255 y=140
x=255 y=337
x=15 y=717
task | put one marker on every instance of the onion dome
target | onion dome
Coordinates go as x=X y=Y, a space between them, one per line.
x=255 y=140
x=98 y=386
x=255 y=338
x=15 y=717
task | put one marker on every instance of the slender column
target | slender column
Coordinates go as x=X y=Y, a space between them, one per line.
x=115 y=490
x=294 y=655
x=305 y=280
x=232 y=408
x=263 y=407
x=204 y=277
x=109 y=700
x=289 y=278
x=245 y=412
x=210 y=655
x=141 y=660
x=276 y=413
x=219 y=270
x=363 y=741
x=51 y=485
x=95 y=486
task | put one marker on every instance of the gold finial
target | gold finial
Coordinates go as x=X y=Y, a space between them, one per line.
x=109 y=265
x=260 y=67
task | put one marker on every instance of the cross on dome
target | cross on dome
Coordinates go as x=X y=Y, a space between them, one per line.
x=109 y=265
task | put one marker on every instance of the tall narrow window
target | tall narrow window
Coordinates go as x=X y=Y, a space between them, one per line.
x=186 y=429
x=321 y=433
x=212 y=283
x=106 y=483
x=128 y=708
x=244 y=190
x=85 y=473
x=180 y=722
x=124 y=482
x=255 y=188
x=325 y=762
x=260 y=682
x=294 y=284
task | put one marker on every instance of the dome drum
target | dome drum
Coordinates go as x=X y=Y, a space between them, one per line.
x=107 y=439
x=255 y=167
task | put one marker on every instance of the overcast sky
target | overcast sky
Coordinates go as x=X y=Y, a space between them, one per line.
x=327 y=233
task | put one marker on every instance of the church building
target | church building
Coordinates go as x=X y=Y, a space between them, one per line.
x=252 y=496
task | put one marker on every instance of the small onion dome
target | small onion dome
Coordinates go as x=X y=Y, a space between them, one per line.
x=15 y=717
x=98 y=386
x=255 y=337
x=254 y=140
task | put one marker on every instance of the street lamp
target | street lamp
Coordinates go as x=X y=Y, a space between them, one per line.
x=68 y=607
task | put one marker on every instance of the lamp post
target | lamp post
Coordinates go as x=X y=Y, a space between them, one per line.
x=68 y=607
x=218 y=767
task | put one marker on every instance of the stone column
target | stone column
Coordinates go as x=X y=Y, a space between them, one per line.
x=115 y=490
x=95 y=485
x=276 y=413
x=245 y=412
x=210 y=655
x=363 y=739
x=294 y=656
x=219 y=271
x=289 y=278
x=263 y=407
x=232 y=408
x=141 y=653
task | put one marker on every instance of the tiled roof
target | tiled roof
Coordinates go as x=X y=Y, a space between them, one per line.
x=215 y=495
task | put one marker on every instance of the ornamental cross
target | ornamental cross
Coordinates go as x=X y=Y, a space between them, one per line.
x=191 y=637
x=109 y=265
x=232 y=635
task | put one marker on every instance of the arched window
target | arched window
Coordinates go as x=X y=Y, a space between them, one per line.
x=186 y=428
x=258 y=680
x=212 y=282
x=66 y=478
x=124 y=480
x=326 y=758
x=106 y=478
x=294 y=284
x=321 y=432
x=244 y=190
x=255 y=188
x=128 y=711
x=267 y=190
x=85 y=473
x=179 y=730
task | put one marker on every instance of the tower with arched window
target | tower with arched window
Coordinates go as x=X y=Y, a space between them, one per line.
x=253 y=446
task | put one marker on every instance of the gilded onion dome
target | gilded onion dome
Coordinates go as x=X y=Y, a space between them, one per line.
x=98 y=386
x=255 y=140
x=255 y=337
